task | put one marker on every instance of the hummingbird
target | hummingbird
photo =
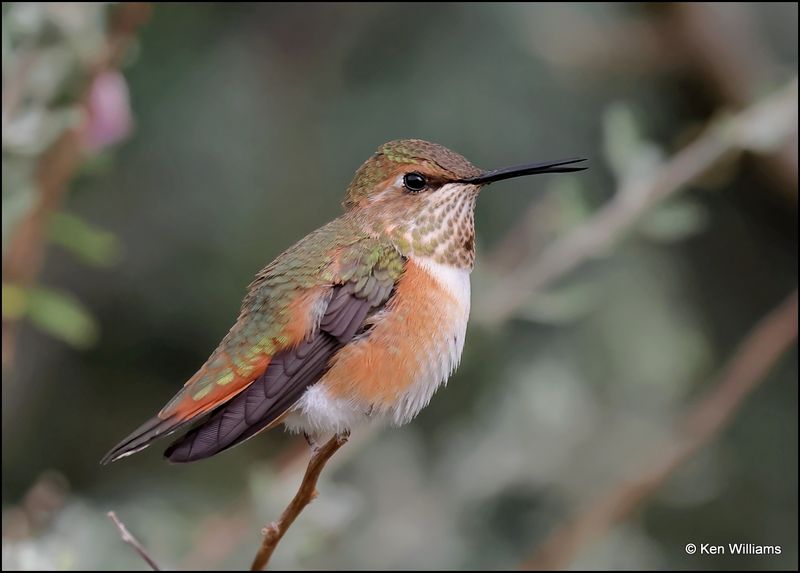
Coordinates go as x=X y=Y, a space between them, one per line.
x=364 y=318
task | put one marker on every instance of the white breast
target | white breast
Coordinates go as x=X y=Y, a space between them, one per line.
x=444 y=357
x=453 y=279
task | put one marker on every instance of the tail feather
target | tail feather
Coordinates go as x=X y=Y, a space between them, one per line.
x=142 y=436
x=263 y=402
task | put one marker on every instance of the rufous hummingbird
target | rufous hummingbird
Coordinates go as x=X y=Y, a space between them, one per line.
x=363 y=318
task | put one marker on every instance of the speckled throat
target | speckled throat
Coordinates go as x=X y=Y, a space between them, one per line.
x=439 y=226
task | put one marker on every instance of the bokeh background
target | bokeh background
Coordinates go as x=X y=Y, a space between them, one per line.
x=156 y=157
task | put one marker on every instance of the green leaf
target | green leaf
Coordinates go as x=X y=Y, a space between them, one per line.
x=622 y=136
x=674 y=221
x=57 y=313
x=15 y=302
x=63 y=316
x=626 y=148
x=92 y=245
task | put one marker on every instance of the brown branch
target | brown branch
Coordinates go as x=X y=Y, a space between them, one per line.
x=764 y=125
x=128 y=538
x=305 y=495
x=743 y=373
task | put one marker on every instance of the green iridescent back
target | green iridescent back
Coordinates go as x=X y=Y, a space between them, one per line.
x=340 y=252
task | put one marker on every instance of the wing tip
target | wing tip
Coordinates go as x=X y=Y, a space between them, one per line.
x=175 y=454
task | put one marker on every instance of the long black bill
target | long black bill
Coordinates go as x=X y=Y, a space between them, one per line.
x=529 y=169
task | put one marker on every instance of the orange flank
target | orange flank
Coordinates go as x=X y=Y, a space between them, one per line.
x=381 y=367
x=303 y=316
x=233 y=367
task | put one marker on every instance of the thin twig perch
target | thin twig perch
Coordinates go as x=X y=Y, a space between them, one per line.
x=128 y=538
x=305 y=495
x=743 y=373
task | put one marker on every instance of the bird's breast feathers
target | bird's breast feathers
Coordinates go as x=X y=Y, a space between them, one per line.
x=393 y=370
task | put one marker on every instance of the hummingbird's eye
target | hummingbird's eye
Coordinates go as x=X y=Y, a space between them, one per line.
x=414 y=182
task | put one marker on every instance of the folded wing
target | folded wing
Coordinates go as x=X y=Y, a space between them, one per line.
x=288 y=375
x=284 y=339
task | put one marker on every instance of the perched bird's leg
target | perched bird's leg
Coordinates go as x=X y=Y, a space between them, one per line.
x=312 y=443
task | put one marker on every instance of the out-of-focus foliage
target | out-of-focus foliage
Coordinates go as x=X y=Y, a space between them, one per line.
x=45 y=51
x=91 y=245
x=250 y=120
x=51 y=53
x=54 y=312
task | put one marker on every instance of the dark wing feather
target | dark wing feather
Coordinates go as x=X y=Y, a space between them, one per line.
x=346 y=313
x=287 y=377
x=289 y=374
x=360 y=271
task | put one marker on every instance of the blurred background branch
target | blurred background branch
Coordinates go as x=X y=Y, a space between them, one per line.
x=704 y=420
x=765 y=126
x=719 y=46
x=62 y=100
x=734 y=71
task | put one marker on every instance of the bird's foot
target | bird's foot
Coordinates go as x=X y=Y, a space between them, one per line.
x=312 y=443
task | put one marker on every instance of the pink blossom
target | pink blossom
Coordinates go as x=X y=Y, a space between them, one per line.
x=109 y=118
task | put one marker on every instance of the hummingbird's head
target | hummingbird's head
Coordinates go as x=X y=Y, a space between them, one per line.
x=422 y=196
